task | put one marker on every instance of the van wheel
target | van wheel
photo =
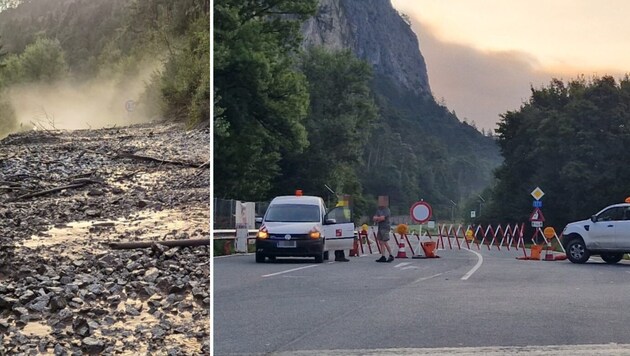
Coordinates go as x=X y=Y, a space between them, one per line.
x=319 y=258
x=612 y=258
x=260 y=258
x=326 y=256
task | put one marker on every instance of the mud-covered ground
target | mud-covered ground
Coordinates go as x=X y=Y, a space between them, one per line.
x=64 y=197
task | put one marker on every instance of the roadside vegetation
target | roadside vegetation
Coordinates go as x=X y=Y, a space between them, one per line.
x=570 y=139
x=69 y=43
x=288 y=117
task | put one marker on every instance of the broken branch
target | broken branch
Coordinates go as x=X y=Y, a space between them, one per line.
x=169 y=243
x=153 y=159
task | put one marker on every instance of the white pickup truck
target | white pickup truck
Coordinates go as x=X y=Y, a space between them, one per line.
x=606 y=233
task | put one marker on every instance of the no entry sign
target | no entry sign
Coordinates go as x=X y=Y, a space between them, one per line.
x=421 y=212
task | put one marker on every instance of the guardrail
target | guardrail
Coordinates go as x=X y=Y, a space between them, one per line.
x=230 y=234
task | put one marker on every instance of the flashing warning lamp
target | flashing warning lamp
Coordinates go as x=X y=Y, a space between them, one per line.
x=262 y=234
x=627 y=200
x=364 y=227
x=402 y=229
x=549 y=232
x=298 y=192
x=469 y=235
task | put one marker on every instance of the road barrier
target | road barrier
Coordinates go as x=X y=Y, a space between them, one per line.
x=506 y=237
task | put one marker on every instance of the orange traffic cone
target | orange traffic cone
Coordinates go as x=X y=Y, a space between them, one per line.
x=549 y=253
x=401 y=249
x=355 y=248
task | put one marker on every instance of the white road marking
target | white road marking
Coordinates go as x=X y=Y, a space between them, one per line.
x=331 y=262
x=287 y=271
x=409 y=267
x=235 y=254
x=474 y=269
x=426 y=278
x=402 y=264
x=552 y=350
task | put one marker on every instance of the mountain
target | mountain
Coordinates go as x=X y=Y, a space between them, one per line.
x=376 y=33
x=420 y=149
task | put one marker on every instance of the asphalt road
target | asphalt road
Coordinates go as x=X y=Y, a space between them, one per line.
x=466 y=302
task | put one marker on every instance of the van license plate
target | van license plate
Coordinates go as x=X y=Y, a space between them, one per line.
x=286 y=244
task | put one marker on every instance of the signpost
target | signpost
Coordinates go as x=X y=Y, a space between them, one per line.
x=421 y=212
x=130 y=106
x=537 y=218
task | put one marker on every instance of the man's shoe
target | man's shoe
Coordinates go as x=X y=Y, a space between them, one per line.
x=382 y=259
x=390 y=259
x=342 y=260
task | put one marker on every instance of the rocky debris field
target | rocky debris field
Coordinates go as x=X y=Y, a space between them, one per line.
x=65 y=196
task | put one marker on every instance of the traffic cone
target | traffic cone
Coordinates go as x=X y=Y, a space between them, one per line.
x=549 y=253
x=355 y=248
x=401 y=249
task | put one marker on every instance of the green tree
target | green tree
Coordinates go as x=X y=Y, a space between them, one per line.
x=339 y=119
x=264 y=97
x=185 y=83
x=42 y=61
x=571 y=140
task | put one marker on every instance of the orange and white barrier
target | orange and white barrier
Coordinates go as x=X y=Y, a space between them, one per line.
x=506 y=237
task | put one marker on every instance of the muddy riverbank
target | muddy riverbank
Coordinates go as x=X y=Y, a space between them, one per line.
x=64 y=196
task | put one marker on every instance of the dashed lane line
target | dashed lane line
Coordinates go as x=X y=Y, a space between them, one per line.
x=288 y=271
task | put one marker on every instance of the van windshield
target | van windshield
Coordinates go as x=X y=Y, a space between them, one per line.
x=292 y=213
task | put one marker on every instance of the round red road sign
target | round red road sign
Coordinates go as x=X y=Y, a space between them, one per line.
x=421 y=212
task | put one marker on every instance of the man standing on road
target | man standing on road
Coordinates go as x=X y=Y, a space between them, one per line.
x=381 y=217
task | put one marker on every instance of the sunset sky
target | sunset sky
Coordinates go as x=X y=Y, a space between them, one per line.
x=483 y=55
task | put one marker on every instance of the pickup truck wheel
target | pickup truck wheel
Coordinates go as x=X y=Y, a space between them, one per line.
x=260 y=258
x=326 y=256
x=612 y=258
x=577 y=252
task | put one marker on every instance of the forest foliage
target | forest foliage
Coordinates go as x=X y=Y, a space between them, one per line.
x=569 y=139
x=79 y=40
x=288 y=117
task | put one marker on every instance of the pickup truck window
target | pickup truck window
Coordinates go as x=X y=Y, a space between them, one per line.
x=612 y=214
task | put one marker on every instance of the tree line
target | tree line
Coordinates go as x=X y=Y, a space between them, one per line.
x=45 y=41
x=287 y=117
x=570 y=139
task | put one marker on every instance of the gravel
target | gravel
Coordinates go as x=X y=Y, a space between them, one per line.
x=64 y=197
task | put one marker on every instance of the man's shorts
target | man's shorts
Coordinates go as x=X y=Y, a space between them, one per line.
x=382 y=235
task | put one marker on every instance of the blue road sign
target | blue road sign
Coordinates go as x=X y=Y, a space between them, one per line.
x=537 y=204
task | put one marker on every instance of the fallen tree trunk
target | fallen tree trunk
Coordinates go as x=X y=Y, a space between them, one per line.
x=153 y=159
x=77 y=183
x=169 y=243
x=48 y=191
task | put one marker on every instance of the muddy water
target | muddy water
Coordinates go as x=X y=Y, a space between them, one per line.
x=65 y=235
x=36 y=329
x=146 y=225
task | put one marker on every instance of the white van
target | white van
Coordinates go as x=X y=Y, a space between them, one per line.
x=299 y=226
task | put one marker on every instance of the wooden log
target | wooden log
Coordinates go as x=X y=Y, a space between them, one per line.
x=153 y=159
x=169 y=243
x=48 y=191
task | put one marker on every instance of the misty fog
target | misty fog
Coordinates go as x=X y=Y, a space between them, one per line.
x=94 y=103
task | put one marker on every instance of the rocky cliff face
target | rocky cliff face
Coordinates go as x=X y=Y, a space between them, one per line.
x=376 y=33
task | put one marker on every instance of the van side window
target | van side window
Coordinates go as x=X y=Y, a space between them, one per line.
x=341 y=214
